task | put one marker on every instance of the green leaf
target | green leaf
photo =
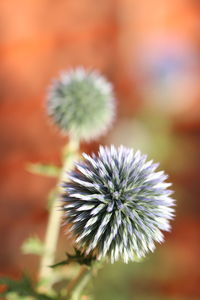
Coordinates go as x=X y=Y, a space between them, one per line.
x=15 y=296
x=21 y=289
x=44 y=170
x=33 y=245
x=23 y=286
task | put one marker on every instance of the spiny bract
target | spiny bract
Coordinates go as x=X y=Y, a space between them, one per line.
x=81 y=103
x=117 y=204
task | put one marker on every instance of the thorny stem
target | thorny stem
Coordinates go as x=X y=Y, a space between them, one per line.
x=53 y=226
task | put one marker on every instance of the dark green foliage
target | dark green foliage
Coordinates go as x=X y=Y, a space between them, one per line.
x=23 y=287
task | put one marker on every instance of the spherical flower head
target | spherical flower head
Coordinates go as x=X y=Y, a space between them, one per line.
x=81 y=103
x=117 y=204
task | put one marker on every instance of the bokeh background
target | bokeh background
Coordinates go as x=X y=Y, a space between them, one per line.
x=150 y=50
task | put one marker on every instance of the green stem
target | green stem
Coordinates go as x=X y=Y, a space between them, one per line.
x=53 y=226
x=77 y=285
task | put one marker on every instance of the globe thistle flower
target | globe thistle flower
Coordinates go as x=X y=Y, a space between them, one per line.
x=81 y=103
x=117 y=204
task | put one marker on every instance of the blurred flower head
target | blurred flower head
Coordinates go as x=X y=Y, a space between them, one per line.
x=117 y=204
x=81 y=103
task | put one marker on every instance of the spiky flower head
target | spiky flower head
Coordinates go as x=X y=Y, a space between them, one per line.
x=81 y=103
x=117 y=204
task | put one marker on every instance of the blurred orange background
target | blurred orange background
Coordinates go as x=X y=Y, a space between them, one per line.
x=150 y=51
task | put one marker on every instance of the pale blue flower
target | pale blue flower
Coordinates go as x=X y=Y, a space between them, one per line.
x=117 y=204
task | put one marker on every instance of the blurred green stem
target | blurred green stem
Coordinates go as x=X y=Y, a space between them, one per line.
x=70 y=153
x=77 y=285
